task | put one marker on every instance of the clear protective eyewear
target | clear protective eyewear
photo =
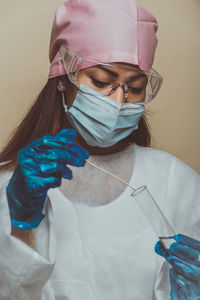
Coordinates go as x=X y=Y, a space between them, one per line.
x=105 y=78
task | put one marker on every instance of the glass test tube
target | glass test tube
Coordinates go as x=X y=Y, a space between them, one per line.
x=154 y=215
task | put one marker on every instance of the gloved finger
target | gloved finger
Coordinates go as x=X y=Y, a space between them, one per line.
x=55 y=168
x=185 y=253
x=57 y=144
x=178 y=285
x=43 y=139
x=30 y=150
x=160 y=250
x=189 y=271
x=182 y=288
x=180 y=280
x=186 y=240
x=63 y=156
x=41 y=189
x=67 y=135
x=51 y=182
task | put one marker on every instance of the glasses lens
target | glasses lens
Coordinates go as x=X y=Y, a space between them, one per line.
x=154 y=84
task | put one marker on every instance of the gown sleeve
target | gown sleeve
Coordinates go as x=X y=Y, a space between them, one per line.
x=182 y=208
x=24 y=271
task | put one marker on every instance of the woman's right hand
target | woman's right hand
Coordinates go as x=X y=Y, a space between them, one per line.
x=41 y=165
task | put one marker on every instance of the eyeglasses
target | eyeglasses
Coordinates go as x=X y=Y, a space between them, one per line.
x=138 y=86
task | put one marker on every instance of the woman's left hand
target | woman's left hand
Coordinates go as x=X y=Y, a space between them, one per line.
x=184 y=256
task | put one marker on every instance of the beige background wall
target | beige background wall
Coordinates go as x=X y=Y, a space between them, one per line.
x=25 y=32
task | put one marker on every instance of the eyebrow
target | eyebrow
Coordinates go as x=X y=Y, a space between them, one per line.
x=134 y=77
x=108 y=71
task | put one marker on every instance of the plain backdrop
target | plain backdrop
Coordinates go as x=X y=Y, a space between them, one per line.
x=174 y=114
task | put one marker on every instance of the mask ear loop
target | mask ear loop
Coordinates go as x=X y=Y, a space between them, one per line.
x=61 y=89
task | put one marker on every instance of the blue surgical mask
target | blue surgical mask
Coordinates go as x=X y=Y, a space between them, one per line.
x=100 y=120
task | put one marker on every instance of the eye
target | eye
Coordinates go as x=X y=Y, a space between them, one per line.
x=136 y=90
x=98 y=83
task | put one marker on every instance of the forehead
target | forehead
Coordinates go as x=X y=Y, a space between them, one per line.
x=126 y=65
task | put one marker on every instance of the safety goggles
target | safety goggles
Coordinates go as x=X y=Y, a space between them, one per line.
x=107 y=78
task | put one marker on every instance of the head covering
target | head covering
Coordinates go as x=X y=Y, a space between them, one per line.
x=104 y=30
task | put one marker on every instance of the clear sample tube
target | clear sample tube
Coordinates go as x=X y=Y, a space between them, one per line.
x=154 y=215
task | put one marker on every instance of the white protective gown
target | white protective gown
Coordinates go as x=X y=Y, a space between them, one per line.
x=105 y=250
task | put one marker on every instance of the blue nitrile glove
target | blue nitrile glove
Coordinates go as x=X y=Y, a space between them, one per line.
x=184 y=256
x=41 y=165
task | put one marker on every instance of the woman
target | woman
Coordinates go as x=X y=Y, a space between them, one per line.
x=91 y=241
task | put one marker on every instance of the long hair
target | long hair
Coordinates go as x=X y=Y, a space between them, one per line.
x=47 y=116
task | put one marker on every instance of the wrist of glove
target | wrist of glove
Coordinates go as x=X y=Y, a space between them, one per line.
x=25 y=210
x=41 y=165
x=184 y=257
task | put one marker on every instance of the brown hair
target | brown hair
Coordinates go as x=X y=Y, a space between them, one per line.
x=47 y=116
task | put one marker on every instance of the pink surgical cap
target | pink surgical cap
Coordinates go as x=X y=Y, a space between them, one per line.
x=103 y=30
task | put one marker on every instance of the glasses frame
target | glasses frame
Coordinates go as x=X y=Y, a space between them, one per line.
x=70 y=60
